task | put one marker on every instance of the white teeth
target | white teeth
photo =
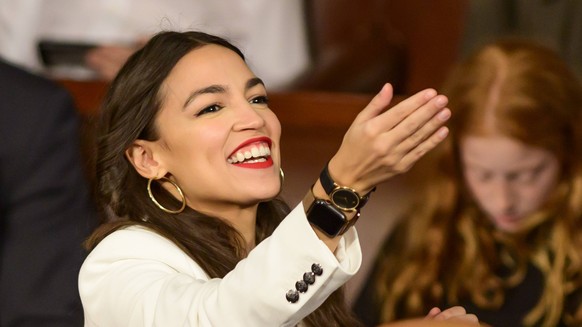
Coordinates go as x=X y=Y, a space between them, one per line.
x=240 y=156
x=257 y=160
x=254 y=152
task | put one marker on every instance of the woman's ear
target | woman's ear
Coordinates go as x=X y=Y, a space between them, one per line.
x=142 y=156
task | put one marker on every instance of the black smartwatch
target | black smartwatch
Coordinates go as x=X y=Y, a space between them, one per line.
x=345 y=198
x=327 y=217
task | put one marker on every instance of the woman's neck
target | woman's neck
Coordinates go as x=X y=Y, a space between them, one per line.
x=242 y=218
x=245 y=221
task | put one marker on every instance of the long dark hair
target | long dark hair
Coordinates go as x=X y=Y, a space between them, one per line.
x=128 y=113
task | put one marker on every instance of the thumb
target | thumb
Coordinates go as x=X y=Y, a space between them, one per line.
x=433 y=313
x=377 y=104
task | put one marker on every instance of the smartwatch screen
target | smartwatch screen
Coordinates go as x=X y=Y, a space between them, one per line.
x=326 y=217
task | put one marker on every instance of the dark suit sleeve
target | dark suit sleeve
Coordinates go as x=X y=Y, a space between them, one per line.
x=45 y=209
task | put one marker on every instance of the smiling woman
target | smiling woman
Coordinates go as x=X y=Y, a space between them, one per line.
x=189 y=168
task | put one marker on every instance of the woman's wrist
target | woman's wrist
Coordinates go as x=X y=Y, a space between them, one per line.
x=319 y=193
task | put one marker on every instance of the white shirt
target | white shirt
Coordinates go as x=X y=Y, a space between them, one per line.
x=271 y=33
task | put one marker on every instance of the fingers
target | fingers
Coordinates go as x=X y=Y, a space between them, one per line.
x=414 y=128
x=400 y=112
x=425 y=146
x=380 y=144
x=419 y=133
x=456 y=313
x=433 y=313
x=468 y=318
x=434 y=124
x=451 y=312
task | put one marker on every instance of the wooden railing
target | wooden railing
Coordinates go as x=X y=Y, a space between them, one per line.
x=87 y=94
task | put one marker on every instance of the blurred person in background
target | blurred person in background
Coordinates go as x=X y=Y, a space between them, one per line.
x=270 y=32
x=496 y=227
x=45 y=206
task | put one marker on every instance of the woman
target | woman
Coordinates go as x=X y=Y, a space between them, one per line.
x=498 y=230
x=188 y=165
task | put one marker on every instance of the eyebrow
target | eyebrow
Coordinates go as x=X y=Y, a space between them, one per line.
x=519 y=169
x=212 y=89
x=254 y=82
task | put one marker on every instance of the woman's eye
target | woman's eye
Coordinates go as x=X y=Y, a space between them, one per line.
x=528 y=176
x=260 y=100
x=209 y=109
x=482 y=176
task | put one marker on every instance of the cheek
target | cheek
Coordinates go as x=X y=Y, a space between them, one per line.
x=273 y=125
x=479 y=190
x=274 y=131
x=475 y=186
x=536 y=195
x=195 y=148
x=540 y=191
x=479 y=193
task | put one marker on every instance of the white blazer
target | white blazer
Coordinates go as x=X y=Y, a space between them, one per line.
x=135 y=277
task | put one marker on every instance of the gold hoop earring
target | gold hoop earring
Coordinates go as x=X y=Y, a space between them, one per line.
x=156 y=201
x=281 y=176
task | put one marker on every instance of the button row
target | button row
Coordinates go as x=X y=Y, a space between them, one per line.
x=301 y=286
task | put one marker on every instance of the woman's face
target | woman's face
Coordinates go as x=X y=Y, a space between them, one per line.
x=509 y=180
x=218 y=137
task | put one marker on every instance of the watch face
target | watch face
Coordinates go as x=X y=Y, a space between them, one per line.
x=326 y=217
x=345 y=198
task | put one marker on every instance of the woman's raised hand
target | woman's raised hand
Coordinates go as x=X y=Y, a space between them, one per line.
x=382 y=143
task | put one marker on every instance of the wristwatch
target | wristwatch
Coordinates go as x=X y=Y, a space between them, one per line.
x=326 y=217
x=343 y=197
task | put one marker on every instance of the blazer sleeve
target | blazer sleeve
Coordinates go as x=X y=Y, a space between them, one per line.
x=135 y=277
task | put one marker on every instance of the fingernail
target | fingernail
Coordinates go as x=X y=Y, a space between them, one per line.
x=429 y=94
x=443 y=132
x=441 y=101
x=444 y=114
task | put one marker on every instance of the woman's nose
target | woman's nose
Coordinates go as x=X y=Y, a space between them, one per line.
x=247 y=117
x=502 y=196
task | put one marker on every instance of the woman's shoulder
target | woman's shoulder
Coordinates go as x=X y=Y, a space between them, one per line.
x=141 y=243
x=135 y=238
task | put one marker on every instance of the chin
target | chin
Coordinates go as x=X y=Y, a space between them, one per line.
x=507 y=229
x=265 y=193
x=510 y=227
